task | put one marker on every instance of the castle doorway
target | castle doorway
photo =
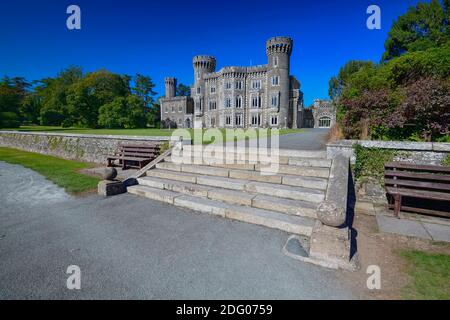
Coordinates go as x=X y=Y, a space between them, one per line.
x=325 y=122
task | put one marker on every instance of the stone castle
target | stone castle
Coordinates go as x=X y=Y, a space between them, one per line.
x=265 y=96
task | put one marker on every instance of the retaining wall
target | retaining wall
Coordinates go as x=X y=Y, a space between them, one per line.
x=415 y=152
x=89 y=148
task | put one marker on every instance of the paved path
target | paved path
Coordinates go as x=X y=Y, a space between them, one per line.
x=130 y=247
x=308 y=139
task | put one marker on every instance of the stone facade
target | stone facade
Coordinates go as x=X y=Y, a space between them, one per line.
x=88 y=148
x=239 y=97
x=321 y=115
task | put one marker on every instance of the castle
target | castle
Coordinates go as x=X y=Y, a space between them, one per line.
x=264 y=96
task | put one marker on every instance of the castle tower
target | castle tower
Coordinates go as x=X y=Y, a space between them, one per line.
x=171 y=85
x=202 y=65
x=278 y=50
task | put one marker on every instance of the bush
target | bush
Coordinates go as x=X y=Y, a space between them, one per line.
x=9 y=120
x=370 y=162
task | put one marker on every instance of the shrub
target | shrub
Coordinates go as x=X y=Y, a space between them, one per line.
x=370 y=162
x=9 y=120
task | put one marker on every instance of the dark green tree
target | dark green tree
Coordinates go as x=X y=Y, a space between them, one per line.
x=183 y=90
x=422 y=27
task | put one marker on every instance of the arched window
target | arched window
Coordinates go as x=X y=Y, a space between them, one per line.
x=324 y=122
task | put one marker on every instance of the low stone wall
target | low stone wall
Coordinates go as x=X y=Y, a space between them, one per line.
x=89 y=148
x=417 y=152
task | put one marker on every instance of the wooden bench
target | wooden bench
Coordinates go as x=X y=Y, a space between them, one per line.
x=134 y=155
x=417 y=181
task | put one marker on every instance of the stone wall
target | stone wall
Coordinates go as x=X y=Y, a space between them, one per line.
x=417 y=152
x=89 y=148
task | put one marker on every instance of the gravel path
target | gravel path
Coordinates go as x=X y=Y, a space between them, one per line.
x=130 y=247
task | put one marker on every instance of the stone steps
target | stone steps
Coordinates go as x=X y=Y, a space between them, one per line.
x=286 y=179
x=288 y=206
x=220 y=160
x=252 y=151
x=278 y=190
x=288 y=223
x=224 y=172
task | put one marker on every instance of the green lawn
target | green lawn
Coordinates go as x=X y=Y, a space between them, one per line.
x=430 y=275
x=61 y=172
x=127 y=132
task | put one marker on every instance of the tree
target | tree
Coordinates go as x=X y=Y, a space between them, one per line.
x=52 y=95
x=143 y=88
x=338 y=83
x=422 y=27
x=86 y=96
x=183 y=90
x=123 y=112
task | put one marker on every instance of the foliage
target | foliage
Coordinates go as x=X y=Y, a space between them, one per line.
x=446 y=161
x=183 y=90
x=73 y=98
x=370 y=162
x=123 y=112
x=429 y=274
x=61 y=172
x=407 y=96
x=422 y=27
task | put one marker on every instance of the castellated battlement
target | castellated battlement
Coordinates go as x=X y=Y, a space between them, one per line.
x=204 y=62
x=279 y=45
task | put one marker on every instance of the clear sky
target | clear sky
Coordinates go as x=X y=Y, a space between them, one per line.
x=159 y=38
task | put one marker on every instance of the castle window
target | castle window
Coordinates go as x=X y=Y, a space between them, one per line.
x=228 y=85
x=173 y=109
x=212 y=105
x=256 y=120
x=198 y=74
x=324 y=122
x=212 y=121
x=274 y=120
x=239 y=102
x=275 y=61
x=179 y=121
x=166 y=109
x=275 y=101
x=238 y=119
x=238 y=85
x=256 y=84
x=275 y=80
x=228 y=120
x=213 y=89
x=180 y=109
x=227 y=103
x=256 y=101
x=198 y=90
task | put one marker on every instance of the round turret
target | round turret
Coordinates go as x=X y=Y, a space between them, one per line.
x=171 y=84
x=208 y=63
x=279 y=45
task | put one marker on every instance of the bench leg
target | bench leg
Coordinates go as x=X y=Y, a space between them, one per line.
x=397 y=205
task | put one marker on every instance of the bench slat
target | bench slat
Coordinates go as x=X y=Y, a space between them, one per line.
x=417 y=184
x=422 y=194
x=417 y=175
x=409 y=166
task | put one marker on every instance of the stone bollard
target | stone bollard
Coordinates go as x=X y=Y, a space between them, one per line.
x=109 y=186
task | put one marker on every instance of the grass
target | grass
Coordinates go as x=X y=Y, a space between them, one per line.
x=61 y=172
x=128 y=132
x=430 y=275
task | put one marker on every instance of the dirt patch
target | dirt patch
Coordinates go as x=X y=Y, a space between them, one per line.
x=382 y=249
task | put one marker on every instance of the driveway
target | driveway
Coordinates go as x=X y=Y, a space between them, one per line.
x=309 y=139
x=133 y=248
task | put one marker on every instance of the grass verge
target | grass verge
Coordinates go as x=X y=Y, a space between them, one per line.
x=61 y=172
x=429 y=274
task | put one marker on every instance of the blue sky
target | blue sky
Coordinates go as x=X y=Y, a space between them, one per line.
x=159 y=38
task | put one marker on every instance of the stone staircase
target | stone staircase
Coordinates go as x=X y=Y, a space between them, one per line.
x=284 y=196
